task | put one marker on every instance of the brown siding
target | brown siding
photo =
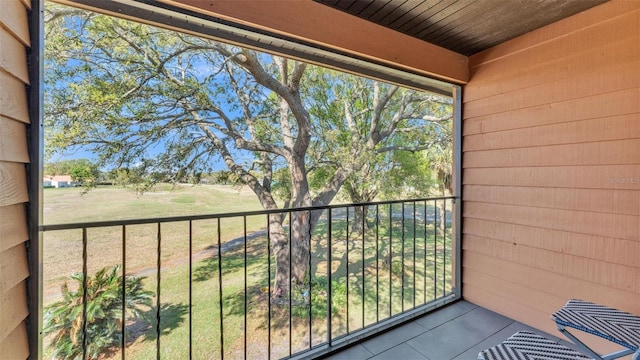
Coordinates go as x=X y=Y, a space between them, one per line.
x=551 y=157
x=14 y=37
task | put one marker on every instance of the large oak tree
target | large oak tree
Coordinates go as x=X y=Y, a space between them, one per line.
x=173 y=104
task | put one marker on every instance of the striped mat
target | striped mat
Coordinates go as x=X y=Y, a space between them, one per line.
x=525 y=345
x=614 y=325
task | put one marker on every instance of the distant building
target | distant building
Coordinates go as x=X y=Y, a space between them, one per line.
x=58 y=181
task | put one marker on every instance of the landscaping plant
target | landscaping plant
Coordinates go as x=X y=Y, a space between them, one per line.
x=63 y=320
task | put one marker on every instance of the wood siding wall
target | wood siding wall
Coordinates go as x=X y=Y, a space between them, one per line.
x=551 y=157
x=14 y=38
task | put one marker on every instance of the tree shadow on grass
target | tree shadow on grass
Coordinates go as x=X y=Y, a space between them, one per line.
x=172 y=316
x=255 y=303
x=233 y=259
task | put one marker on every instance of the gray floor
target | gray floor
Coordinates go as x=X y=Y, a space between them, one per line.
x=459 y=331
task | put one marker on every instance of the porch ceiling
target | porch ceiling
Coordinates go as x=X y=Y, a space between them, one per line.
x=463 y=26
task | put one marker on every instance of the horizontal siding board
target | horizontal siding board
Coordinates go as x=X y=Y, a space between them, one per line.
x=605 y=80
x=13 y=17
x=13 y=267
x=514 y=292
x=27 y=3
x=13 y=98
x=13 y=141
x=590 y=154
x=624 y=227
x=601 y=106
x=13 y=303
x=523 y=73
x=13 y=226
x=625 y=127
x=519 y=311
x=625 y=202
x=616 y=251
x=13 y=177
x=607 y=153
x=550 y=283
x=622 y=177
x=573 y=267
x=13 y=57
x=15 y=346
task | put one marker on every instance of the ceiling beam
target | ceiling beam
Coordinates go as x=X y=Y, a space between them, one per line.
x=330 y=28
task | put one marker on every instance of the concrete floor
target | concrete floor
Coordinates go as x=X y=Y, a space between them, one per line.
x=458 y=331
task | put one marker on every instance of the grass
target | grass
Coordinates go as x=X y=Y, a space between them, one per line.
x=63 y=249
x=368 y=284
x=308 y=323
x=72 y=205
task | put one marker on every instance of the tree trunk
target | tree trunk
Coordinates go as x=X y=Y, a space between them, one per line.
x=301 y=238
x=445 y=185
x=294 y=247
x=280 y=249
x=441 y=216
x=360 y=219
x=298 y=264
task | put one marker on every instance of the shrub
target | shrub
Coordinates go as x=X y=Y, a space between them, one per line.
x=64 y=319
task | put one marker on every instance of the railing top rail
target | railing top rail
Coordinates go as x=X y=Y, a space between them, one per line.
x=96 y=224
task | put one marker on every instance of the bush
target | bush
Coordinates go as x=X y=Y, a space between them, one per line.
x=64 y=319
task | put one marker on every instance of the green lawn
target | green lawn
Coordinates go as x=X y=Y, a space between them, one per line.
x=63 y=249
x=400 y=283
x=396 y=289
x=114 y=203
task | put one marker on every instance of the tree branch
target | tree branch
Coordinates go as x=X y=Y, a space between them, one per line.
x=404 y=148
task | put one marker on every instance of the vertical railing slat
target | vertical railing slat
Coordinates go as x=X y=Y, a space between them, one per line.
x=424 y=279
x=329 y=264
x=377 y=263
x=414 y=254
x=158 y=279
x=190 y=289
x=84 y=293
x=290 y=276
x=269 y=286
x=435 y=249
x=390 y=259
x=347 y=270
x=124 y=291
x=309 y=295
x=444 y=248
x=363 y=265
x=220 y=298
x=402 y=259
x=244 y=227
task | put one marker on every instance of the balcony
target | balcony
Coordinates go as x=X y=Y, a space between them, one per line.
x=458 y=331
x=216 y=285
x=550 y=148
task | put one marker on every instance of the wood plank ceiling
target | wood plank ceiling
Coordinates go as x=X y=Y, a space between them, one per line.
x=463 y=26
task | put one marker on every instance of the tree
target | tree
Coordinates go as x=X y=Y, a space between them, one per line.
x=398 y=163
x=64 y=319
x=440 y=160
x=172 y=103
x=82 y=170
